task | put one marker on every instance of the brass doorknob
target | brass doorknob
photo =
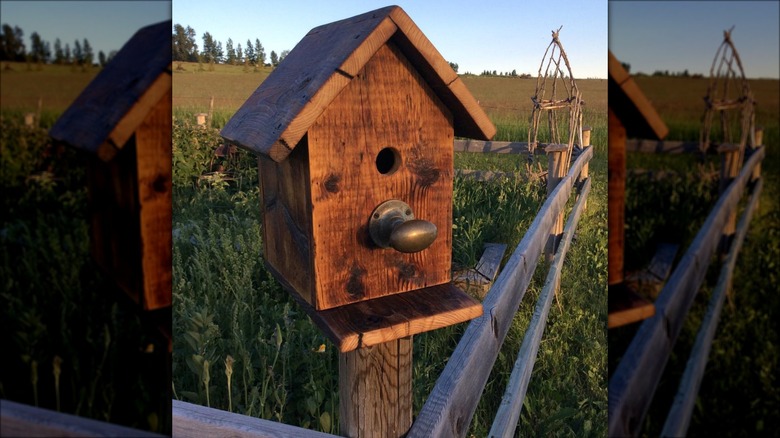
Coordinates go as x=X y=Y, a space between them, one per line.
x=392 y=225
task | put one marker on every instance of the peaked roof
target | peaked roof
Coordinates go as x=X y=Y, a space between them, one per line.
x=106 y=113
x=278 y=114
x=631 y=106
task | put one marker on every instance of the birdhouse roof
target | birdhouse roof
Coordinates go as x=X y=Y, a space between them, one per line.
x=631 y=106
x=279 y=113
x=110 y=109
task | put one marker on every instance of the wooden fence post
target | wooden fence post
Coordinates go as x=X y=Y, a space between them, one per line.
x=200 y=119
x=556 y=162
x=375 y=390
x=584 y=173
x=729 y=169
x=758 y=139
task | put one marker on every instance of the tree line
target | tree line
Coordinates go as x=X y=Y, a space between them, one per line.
x=185 y=49
x=13 y=48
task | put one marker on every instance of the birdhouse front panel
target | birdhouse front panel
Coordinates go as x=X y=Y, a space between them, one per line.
x=385 y=137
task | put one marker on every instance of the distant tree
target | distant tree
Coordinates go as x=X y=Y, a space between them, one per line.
x=685 y=73
x=59 y=55
x=78 y=54
x=514 y=73
x=274 y=59
x=13 y=48
x=250 y=52
x=102 y=58
x=209 y=47
x=111 y=56
x=283 y=55
x=67 y=59
x=183 y=43
x=239 y=54
x=37 y=48
x=89 y=55
x=219 y=53
x=626 y=66
x=454 y=66
x=259 y=52
x=231 y=52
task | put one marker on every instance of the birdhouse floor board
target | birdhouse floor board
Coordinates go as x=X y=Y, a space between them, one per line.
x=627 y=306
x=385 y=319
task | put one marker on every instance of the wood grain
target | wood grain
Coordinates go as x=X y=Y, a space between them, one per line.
x=556 y=162
x=451 y=404
x=497 y=147
x=505 y=421
x=17 y=419
x=89 y=122
x=153 y=158
x=477 y=281
x=386 y=105
x=680 y=412
x=633 y=383
x=194 y=421
x=375 y=390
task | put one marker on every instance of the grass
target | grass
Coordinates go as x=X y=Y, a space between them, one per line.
x=70 y=341
x=739 y=394
x=227 y=304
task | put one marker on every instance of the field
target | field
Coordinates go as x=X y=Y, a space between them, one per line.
x=740 y=394
x=248 y=348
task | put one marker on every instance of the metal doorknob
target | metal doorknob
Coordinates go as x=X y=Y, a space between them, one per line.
x=392 y=225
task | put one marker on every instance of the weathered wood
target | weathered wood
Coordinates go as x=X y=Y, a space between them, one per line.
x=486 y=175
x=666 y=146
x=17 y=419
x=153 y=158
x=633 y=109
x=650 y=280
x=633 y=384
x=384 y=319
x=368 y=116
x=508 y=413
x=626 y=306
x=194 y=421
x=556 y=170
x=104 y=116
x=729 y=168
x=680 y=413
x=451 y=404
x=375 y=390
x=278 y=114
x=477 y=281
x=616 y=162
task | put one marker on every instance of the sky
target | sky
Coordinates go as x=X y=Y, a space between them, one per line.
x=502 y=35
x=679 y=35
x=107 y=25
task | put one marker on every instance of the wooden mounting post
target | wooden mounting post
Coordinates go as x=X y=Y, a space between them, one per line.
x=584 y=172
x=556 y=170
x=729 y=169
x=375 y=390
x=758 y=139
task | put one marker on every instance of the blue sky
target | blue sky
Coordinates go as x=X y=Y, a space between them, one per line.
x=107 y=25
x=679 y=35
x=497 y=35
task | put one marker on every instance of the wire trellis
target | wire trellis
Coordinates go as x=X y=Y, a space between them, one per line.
x=557 y=100
x=730 y=99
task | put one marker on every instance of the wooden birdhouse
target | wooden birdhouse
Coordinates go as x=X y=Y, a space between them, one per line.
x=630 y=115
x=123 y=121
x=354 y=132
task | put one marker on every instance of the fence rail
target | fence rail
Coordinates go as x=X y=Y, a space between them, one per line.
x=17 y=419
x=636 y=378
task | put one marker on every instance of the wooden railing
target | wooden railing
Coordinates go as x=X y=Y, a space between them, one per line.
x=450 y=407
x=633 y=384
x=17 y=419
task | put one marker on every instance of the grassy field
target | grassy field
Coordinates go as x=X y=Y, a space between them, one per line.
x=739 y=394
x=232 y=315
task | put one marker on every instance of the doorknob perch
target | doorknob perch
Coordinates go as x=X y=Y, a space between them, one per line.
x=392 y=225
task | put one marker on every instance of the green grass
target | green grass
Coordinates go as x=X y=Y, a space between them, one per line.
x=56 y=304
x=739 y=394
x=226 y=303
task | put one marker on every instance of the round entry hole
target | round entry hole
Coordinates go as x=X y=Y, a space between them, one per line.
x=387 y=161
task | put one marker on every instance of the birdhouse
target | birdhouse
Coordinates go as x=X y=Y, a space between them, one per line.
x=354 y=132
x=122 y=120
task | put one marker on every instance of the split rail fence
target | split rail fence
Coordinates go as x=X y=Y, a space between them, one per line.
x=449 y=408
x=633 y=384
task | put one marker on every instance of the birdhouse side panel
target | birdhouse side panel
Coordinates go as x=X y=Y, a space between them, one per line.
x=114 y=218
x=286 y=208
x=387 y=136
x=153 y=149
